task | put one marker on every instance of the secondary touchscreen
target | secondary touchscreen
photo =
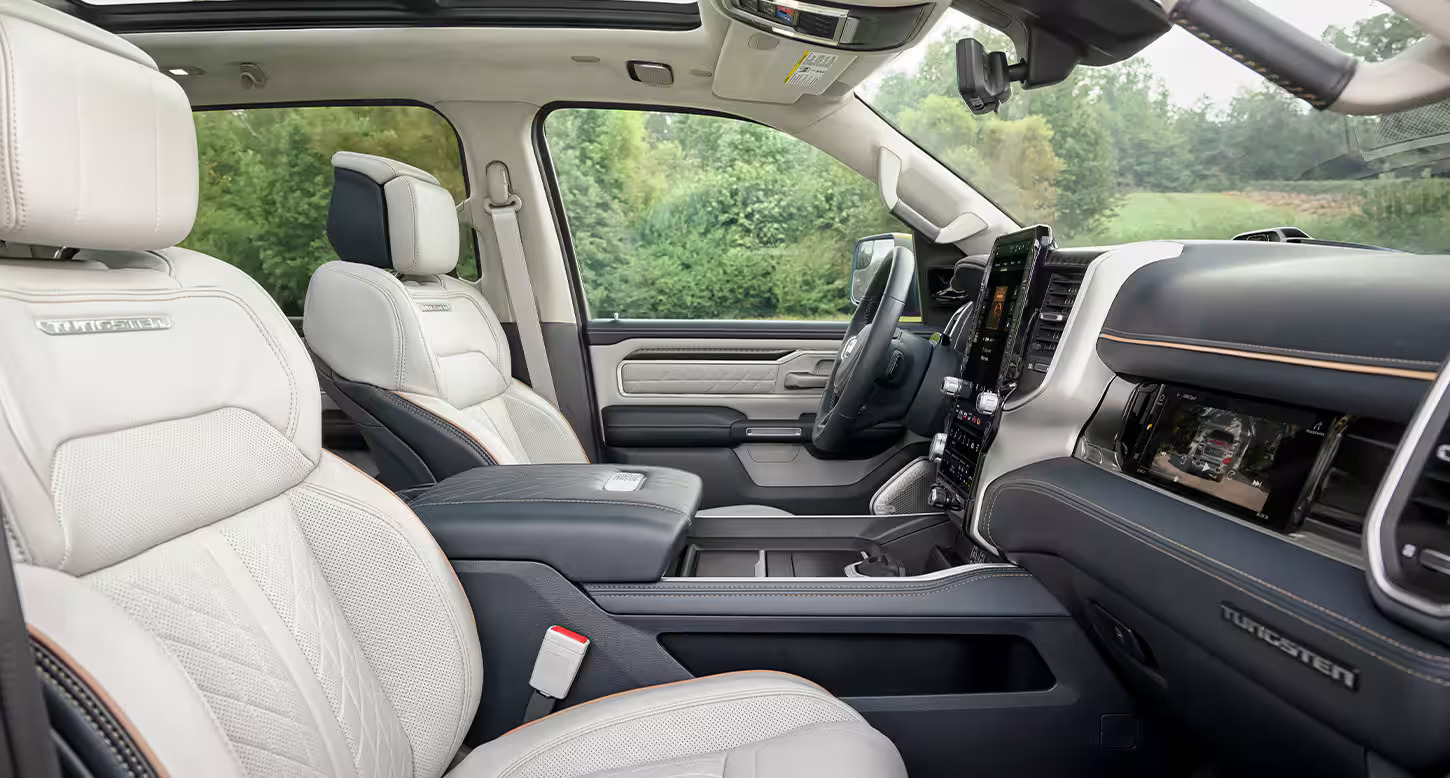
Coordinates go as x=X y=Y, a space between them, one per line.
x=1225 y=453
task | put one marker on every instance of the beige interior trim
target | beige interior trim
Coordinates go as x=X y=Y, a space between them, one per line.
x=1346 y=367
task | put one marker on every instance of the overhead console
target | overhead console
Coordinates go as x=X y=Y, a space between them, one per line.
x=777 y=52
x=850 y=27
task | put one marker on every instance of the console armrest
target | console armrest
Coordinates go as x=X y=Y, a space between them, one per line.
x=563 y=516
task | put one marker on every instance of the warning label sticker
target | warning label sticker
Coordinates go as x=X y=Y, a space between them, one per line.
x=811 y=68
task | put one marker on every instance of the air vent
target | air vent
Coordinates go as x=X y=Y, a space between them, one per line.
x=1339 y=508
x=1422 y=534
x=1057 y=302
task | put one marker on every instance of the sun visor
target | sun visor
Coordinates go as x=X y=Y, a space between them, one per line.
x=755 y=65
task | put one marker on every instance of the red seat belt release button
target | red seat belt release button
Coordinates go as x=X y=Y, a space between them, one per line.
x=558 y=662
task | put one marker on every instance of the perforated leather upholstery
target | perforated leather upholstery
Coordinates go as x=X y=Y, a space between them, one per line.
x=417 y=351
x=245 y=603
x=387 y=316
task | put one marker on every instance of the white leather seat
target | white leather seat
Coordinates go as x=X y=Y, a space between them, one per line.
x=210 y=592
x=417 y=357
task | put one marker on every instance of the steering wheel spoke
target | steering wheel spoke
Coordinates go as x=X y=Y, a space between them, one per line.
x=864 y=351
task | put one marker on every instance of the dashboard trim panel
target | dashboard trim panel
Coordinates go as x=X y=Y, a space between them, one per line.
x=1179 y=563
x=1347 y=367
x=1046 y=424
x=1393 y=483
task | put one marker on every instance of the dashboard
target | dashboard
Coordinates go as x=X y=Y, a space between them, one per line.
x=1192 y=443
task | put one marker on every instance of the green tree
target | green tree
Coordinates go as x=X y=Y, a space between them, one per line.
x=266 y=178
x=1376 y=38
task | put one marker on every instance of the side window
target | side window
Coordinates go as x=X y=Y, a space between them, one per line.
x=682 y=216
x=266 y=178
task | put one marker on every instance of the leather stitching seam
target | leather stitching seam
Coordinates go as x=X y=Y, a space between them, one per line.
x=465 y=671
x=550 y=500
x=400 y=359
x=1269 y=349
x=448 y=427
x=60 y=678
x=490 y=319
x=571 y=734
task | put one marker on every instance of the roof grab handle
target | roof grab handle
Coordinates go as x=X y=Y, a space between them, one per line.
x=1314 y=71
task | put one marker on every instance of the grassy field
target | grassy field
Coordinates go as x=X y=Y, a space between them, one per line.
x=1151 y=215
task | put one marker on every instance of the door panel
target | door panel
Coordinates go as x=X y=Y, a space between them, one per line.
x=724 y=400
x=762 y=378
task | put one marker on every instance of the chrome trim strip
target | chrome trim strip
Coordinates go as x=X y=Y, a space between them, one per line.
x=1394 y=481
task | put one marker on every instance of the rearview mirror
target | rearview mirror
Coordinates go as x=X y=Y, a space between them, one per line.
x=983 y=80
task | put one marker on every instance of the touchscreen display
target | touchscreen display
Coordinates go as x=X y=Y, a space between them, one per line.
x=1000 y=307
x=1246 y=455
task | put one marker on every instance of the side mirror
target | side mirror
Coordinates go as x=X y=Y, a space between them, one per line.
x=869 y=253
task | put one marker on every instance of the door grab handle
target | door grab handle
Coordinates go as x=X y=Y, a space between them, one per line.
x=788 y=433
x=805 y=381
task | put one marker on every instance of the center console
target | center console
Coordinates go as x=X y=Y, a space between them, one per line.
x=991 y=367
x=946 y=652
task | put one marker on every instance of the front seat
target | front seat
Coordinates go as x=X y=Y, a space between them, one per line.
x=208 y=591
x=415 y=356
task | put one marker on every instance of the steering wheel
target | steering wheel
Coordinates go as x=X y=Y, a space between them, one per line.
x=863 y=351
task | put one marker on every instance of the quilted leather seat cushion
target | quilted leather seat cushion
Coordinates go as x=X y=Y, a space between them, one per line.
x=734 y=725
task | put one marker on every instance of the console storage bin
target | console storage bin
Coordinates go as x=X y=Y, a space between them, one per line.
x=592 y=523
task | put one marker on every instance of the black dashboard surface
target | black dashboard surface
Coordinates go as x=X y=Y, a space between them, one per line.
x=1226 y=612
x=1351 y=330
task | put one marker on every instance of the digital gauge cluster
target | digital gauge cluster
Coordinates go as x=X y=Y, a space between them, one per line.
x=991 y=367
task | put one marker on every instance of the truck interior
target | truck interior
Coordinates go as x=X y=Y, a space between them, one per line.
x=732 y=388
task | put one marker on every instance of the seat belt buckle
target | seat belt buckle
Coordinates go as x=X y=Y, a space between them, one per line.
x=558 y=662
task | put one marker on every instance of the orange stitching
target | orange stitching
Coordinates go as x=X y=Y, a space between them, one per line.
x=471 y=436
x=1345 y=367
x=99 y=691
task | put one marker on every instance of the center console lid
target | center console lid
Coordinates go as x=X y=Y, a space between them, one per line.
x=592 y=523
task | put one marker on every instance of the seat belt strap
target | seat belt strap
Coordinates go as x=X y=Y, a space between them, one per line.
x=558 y=662
x=502 y=206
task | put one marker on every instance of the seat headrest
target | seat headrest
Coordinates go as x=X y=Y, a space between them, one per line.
x=98 y=146
x=391 y=215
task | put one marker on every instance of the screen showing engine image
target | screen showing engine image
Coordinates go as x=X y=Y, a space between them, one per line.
x=1009 y=270
x=1218 y=448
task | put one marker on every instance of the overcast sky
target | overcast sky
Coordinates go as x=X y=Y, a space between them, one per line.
x=1191 y=68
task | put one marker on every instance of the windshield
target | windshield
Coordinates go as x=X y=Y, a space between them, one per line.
x=1183 y=142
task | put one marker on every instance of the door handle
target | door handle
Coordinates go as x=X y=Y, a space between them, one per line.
x=805 y=381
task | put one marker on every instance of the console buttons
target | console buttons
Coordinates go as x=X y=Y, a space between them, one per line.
x=988 y=403
x=951 y=386
x=937 y=448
